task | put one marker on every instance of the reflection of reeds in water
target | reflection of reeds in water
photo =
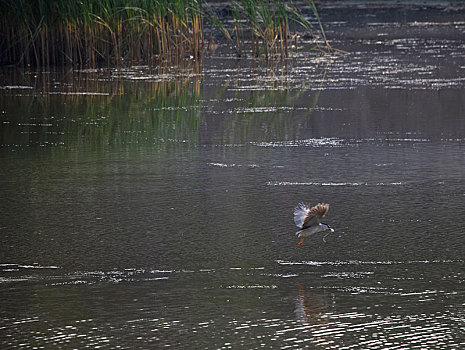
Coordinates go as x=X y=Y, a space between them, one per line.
x=155 y=107
x=95 y=32
x=105 y=113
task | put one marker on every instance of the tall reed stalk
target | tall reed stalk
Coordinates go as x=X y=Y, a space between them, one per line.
x=111 y=32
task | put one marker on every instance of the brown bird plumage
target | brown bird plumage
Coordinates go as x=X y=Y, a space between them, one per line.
x=315 y=214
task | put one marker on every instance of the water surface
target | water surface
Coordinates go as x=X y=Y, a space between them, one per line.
x=153 y=208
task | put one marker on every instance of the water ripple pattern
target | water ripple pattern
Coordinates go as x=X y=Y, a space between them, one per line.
x=152 y=207
x=378 y=316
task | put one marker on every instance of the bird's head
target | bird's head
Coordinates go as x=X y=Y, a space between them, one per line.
x=328 y=228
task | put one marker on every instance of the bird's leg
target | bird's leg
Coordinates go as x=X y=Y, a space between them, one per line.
x=301 y=241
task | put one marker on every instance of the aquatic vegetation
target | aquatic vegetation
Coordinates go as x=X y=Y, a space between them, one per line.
x=268 y=25
x=93 y=33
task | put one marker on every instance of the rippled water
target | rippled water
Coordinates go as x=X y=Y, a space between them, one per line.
x=150 y=209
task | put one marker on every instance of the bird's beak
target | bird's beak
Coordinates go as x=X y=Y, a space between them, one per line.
x=331 y=230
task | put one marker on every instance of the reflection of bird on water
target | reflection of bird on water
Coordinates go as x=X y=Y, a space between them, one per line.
x=308 y=220
x=311 y=308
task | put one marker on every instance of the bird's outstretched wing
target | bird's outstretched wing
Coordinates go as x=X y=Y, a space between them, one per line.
x=306 y=217
x=300 y=213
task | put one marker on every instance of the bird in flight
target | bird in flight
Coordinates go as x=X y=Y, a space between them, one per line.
x=308 y=220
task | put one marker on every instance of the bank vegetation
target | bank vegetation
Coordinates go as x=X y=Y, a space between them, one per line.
x=95 y=33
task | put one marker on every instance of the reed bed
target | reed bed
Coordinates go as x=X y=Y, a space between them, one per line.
x=94 y=33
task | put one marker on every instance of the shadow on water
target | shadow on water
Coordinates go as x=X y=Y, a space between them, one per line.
x=148 y=209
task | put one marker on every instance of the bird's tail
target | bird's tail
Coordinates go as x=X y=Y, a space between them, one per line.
x=300 y=233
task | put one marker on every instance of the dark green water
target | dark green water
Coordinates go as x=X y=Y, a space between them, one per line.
x=148 y=209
